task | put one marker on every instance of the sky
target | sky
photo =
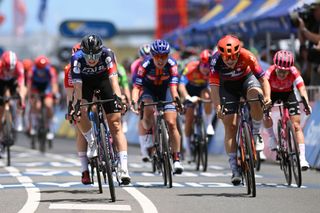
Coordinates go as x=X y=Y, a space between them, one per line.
x=124 y=14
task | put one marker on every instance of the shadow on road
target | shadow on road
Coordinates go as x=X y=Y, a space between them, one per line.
x=216 y=195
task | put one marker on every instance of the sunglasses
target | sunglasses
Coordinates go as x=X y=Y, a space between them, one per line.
x=281 y=72
x=92 y=57
x=231 y=57
x=161 y=56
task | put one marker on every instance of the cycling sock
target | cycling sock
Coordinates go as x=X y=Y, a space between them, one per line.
x=89 y=136
x=176 y=156
x=271 y=132
x=84 y=161
x=302 y=148
x=124 y=160
x=256 y=127
x=233 y=161
x=207 y=118
x=143 y=148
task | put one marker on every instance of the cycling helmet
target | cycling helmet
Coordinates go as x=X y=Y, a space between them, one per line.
x=229 y=46
x=9 y=59
x=144 y=50
x=205 y=56
x=41 y=62
x=27 y=64
x=283 y=60
x=160 y=47
x=91 y=44
x=75 y=48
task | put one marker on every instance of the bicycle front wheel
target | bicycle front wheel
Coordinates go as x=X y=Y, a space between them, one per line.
x=166 y=154
x=8 y=136
x=203 y=147
x=249 y=165
x=294 y=153
x=105 y=153
x=285 y=164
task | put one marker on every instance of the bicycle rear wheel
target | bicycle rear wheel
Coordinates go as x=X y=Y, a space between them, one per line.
x=285 y=164
x=8 y=136
x=96 y=164
x=203 y=147
x=249 y=165
x=294 y=154
x=166 y=154
x=105 y=153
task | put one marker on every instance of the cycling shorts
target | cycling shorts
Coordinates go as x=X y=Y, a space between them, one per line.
x=234 y=90
x=89 y=84
x=158 y=95
x=294 y=109
x=11 y=85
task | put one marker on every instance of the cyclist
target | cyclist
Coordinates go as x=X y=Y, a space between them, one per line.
x=236 y=73
x=283 y=76
x=12 y=79
x=194 y=84
x=94 y=67
x=42 y=78
x=158 y=77
x=145 y=136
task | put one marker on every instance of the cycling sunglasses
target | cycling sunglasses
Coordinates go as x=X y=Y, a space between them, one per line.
x=161 y=56
x=231 y=57
x=92 y=57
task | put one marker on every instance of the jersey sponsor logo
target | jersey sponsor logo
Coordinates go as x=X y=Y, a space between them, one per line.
x=234 y=73
x=92 y=70
x=76 y=66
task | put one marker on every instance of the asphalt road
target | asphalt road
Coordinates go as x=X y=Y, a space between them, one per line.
x=51 y=183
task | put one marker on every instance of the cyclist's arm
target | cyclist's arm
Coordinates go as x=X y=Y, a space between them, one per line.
x=265 y=88
x=114 y=82
x=215 y=97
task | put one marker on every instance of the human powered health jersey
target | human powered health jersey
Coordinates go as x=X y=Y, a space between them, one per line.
x=246 y=64
x=285 y=85
x=192 y=75
x=150 y=76
x=105 y=67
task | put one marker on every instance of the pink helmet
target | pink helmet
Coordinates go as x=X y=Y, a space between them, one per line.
x=283 y=59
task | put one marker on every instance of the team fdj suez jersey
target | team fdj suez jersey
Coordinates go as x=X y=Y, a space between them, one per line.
x=247 y=64
x=151 y=77
x=105 y=67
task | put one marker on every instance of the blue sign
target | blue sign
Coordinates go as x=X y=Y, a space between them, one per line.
x=78 y=28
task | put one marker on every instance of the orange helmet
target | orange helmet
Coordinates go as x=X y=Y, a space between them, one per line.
x=229 y=46
x=9 y=59
x=41 y=62
x=75 y=48
x=205 y=56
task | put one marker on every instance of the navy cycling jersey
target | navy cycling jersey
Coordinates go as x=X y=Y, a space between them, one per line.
x=151 y=77
x=105 y=67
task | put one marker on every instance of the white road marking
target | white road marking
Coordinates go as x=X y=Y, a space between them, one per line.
x=34 y=195
x=101 y=207
x=146 y=204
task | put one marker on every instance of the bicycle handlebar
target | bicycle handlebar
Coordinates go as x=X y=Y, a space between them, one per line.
x=240 y=102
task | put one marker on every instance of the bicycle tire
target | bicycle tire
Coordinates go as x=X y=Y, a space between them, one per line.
x=42 y=131
x=249 y=170
x=96 y=168
x=166 y=154
x=7 y=133
x=258 y=161
x=106 y=160
x=203 y=147
x=294 y=154
x=285 y=164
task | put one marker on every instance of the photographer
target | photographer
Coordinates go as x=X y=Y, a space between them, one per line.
x=309 y=36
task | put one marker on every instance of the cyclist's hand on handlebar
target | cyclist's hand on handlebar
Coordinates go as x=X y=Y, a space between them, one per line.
x=119 y=104
x=308 y=110
x=179 y=105
x=76 y=110
x=267 y=102
x=219 y=111
x=134 y=107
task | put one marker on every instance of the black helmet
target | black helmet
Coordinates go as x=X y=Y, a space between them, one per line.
x=91 y=44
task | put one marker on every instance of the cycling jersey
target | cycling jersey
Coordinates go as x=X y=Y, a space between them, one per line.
x=134 y=69
x=105 y=67
x=151 y=77
x=17 y=73
x=122 y=75
x=285 y=85
x=41 y=80
x=246 y=65
x=67 y=77
x=192 y=75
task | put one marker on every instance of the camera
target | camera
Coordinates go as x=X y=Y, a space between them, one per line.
x=305 y=13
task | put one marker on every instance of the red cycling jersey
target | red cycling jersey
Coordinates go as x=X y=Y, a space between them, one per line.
x=67 y=77
x=192 y=75
x=285 y=85
x=16 y=73
x=246 y=64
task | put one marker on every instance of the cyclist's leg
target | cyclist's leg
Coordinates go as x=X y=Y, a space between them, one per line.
x=294 y=113
x=230 y=127
x=82 y=153
x=208 y=114
x=50 y=112
x=189 y=119
x=252 y=89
